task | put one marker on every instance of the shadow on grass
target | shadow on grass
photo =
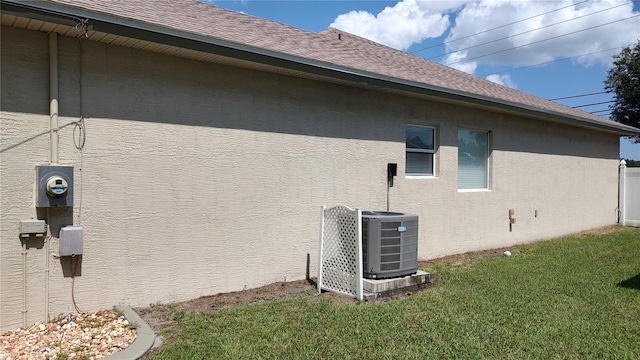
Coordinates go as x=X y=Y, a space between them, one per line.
x=631 y=283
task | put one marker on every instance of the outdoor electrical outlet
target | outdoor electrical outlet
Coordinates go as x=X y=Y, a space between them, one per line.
x=392 y=171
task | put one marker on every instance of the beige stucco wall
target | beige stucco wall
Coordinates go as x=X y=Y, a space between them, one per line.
x=199 y=178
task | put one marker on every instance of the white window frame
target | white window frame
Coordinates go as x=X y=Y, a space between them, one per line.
x=422 y=151
x=487 y=165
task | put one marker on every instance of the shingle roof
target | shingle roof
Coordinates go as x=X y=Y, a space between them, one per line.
x=330 y=46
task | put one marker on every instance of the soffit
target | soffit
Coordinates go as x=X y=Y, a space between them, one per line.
x=118 y=40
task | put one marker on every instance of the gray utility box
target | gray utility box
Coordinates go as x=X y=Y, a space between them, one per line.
x=54 y=186
x=70 y=241
x=32 y=227
x=389 y=244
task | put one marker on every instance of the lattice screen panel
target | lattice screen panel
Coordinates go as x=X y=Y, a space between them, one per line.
x=340 y=265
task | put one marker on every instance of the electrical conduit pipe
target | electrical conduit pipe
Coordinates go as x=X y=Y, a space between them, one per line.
x=53 y=150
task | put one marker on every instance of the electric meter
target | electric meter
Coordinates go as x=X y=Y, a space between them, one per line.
x=57 y=186
x=54 y=186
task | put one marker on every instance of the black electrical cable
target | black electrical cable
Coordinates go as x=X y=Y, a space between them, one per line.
x=526 y=32
x=550 y=62
x=83 y=34
x=593 y=104
x=79 y=141
x=495 y=28
x=577 y=96
x=540 y=41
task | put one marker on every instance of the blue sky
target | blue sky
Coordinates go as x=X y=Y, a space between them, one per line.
x=551 y=49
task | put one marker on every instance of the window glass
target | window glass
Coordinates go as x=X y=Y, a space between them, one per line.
x=420 y=150
x=420 y=137
x=419 y=163
x=473 y=159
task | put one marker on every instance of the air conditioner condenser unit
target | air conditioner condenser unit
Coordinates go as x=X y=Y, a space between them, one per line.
x=389 y=244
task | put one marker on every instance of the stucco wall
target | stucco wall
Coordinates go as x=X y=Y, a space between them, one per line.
x=198 y=178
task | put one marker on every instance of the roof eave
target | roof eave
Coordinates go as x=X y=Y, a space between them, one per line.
x=70 y=15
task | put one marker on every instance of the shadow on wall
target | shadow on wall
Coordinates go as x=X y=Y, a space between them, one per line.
x=71 y=266
x=46 y=133
x=131 y=84
x=57 y=218
x=33 y=242
x=631 y=283
x=98 y=80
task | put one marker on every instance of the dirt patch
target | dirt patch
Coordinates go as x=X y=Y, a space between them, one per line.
x=466 y=259
x=602 y=230
x=157 y=315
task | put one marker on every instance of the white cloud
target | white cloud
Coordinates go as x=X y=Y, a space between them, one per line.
x=475 y=18
x=412 y=21
x=456 y=61
x=502 y=80
x=408 y=22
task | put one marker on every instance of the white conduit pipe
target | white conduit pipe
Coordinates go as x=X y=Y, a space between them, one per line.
x=53 y=94
x=47 y=249
x=53 y=152
x=24 y=283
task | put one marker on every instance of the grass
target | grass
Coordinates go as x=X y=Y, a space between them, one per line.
x=572 y=298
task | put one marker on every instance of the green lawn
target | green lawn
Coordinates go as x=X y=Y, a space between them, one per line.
x=571 y=298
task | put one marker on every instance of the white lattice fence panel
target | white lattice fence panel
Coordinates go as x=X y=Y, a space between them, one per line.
x=340 y=265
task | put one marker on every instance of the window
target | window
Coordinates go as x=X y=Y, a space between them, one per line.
x=420 y=145
x=473 y=160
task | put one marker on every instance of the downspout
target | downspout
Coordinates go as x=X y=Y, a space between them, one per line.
x=53 y=151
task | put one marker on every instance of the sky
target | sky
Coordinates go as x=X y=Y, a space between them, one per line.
x=549 y=48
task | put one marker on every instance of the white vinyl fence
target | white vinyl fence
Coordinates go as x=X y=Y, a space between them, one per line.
x=340 y=265
x=629 y=195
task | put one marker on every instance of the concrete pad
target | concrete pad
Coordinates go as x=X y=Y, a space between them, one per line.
x=376 y=288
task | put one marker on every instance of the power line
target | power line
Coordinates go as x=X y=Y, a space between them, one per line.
x=498 y=27
x=540 y=41
x=601 y=111
x=553 y=61
x=593 y=104
x=577 y=96
x=528 y=31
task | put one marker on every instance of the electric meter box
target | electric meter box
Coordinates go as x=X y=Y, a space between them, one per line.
x=70 y=241
x=54 y=186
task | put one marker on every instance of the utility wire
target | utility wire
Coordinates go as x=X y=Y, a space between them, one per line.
x=552 y=61
x=528 y=31
x=498 y=27
x=593 y=104
x=540 y=41
x=577 y=96
x=600 y=111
